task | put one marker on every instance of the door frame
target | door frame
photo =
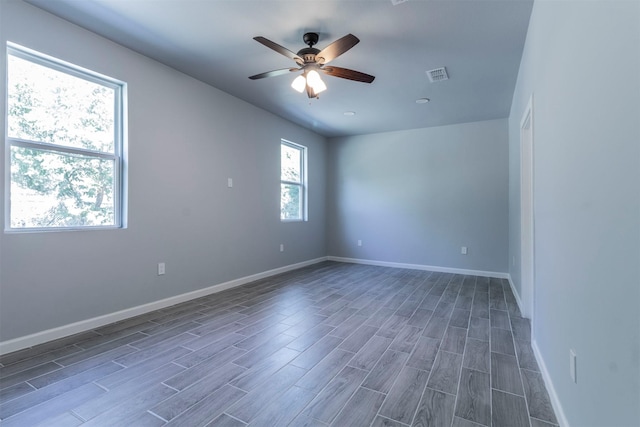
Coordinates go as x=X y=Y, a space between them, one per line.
x=527 y=217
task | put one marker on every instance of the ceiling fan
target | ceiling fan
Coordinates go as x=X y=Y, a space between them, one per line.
x=313 y=61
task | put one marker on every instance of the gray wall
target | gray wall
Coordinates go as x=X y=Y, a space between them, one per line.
x=417 y=196
x=185 y=140
x=582 y=64
x=411 y=197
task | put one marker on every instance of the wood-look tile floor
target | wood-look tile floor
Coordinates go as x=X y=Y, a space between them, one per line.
x=331 y=344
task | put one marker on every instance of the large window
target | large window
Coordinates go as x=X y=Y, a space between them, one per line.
x=293 y=192
x=64 y=144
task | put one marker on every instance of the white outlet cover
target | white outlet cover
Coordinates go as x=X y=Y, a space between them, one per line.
x=572 y=365
x=229 y=182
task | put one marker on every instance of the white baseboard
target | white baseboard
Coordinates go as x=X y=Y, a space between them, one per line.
x=96 y=322
x=553 y=396
x=548 y=382
x=515 y=294
x=421 y=267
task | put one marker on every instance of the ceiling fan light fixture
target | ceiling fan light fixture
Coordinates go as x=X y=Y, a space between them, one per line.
x=319 y=86
x=315 y=82
x=299 y=83
x=311 y=61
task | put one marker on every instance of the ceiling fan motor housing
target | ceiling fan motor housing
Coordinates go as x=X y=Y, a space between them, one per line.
x=308 y=54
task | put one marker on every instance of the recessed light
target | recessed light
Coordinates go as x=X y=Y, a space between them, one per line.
x=422 y=100
x=349 y=113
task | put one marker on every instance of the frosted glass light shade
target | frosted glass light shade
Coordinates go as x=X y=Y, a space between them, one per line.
x=299 y=83
x=316 y=83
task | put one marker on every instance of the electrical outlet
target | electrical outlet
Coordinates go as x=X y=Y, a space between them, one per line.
x=572 y=365
x=463 y=250
x=160 y=268
x=281 y=247
x=229 y=182
x=359 y=242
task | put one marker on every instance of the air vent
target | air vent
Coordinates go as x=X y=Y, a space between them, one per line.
x=437 y=75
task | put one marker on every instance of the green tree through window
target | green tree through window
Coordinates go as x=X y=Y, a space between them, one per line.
x=64 y=129
x=292 y=182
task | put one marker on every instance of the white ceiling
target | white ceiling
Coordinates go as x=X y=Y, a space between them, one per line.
x=479 y=42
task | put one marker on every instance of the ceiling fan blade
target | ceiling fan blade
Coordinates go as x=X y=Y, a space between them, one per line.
x=337 y=48
x=345 y=73
x=273 y=73
x=281 y=50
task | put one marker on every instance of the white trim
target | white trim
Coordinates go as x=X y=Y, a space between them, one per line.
x=89 y=324
x=527 y=216
x=45 y=61
x=421 y=267
x=303 y=183
x=515 y=294
x=553 y=396
x=96 y=322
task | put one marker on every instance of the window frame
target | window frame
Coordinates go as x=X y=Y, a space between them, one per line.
x=302 y=184
x=119 y=150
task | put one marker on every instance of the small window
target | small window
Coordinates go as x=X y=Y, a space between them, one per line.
x=65 y=145
x=293 y=193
